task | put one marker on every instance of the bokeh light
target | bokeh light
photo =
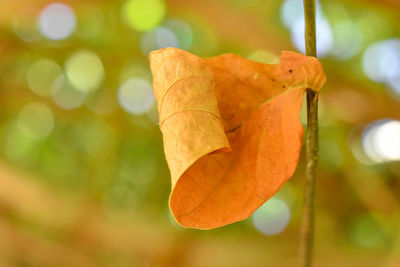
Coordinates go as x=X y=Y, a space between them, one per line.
x=354 y=141
x=381 y=60
x=343 y=39
x=143 y=15
x=373 y=61
x=161 y=37
x=272 y=217
x=136 y=95
x=347 y=40
x=84 y=70
x=292 y=16
x=41 y=75
x=324 y=35
x=65 y=95
x=57 y=21
x=173 y=33
x=79 y=133
x=381 y=141
x=381 y=63
x=36 y=120
x=292 y=10
x=182 y=31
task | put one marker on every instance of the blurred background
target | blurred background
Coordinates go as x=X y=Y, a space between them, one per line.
x=83 y=179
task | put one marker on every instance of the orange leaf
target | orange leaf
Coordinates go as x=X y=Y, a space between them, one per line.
x=231 y=130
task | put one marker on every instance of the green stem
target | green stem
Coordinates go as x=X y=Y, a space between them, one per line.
x=307 y=227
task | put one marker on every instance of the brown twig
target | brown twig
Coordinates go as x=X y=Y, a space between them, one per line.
x=307 y=227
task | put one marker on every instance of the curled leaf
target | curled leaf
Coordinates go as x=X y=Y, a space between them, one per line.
x=231 y=130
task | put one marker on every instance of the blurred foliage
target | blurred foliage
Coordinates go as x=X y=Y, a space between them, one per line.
x=83 y=180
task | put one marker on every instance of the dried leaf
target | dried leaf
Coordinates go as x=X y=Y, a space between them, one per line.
x=231 y=130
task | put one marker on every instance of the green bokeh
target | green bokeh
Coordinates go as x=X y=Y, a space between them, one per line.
x=85 y=70
x=143 y=15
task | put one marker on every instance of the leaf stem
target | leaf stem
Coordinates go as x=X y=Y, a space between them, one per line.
x=307 y=227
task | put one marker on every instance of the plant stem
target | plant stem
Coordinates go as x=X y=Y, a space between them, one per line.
x=307 y=227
